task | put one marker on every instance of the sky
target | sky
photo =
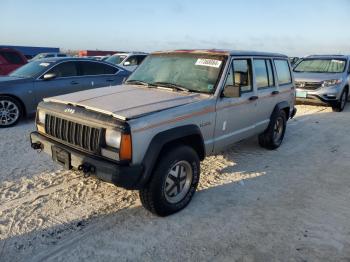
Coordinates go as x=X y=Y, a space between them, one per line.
x=292 y=27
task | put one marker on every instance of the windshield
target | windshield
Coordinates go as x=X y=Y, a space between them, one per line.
x=115 y=59
x=198 y=73
x=321 y=66
x=31 y=69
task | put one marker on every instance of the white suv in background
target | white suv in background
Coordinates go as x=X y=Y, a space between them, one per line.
x=129 y=61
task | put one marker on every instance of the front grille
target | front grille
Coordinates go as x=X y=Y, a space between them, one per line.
x=309 y=85
x=83 y=136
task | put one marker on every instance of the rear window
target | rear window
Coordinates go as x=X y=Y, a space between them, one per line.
x=283 y=72
x=12 y=57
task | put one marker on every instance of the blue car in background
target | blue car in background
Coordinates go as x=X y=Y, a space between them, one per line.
x=24 y=88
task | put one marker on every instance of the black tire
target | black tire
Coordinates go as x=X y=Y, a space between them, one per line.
x=8 y=103
x=154 y=196
x=340 y=105
x=268 y=138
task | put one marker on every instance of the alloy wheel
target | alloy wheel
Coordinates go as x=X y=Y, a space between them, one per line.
x=9 y=112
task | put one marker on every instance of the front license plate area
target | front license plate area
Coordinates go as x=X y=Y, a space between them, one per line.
x=61 y=156
x=302 y=94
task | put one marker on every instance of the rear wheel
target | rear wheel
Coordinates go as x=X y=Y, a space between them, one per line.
x=10 y=111
x=340 y=105
x=173 y=183
x=273 y=136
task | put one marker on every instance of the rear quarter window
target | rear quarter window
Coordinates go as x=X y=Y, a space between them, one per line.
x=95 y=68
x=283 y=72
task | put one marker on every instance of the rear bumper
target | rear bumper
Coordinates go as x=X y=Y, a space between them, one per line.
x=292 y=114
x=126 y=176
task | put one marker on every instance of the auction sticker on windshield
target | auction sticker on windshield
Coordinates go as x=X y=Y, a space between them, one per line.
x=208 y=62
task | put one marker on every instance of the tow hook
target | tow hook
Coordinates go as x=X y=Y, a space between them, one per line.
x=37 y=146
x=87 y=169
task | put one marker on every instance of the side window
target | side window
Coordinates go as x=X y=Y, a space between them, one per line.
x=95 y=68
x=61 y=55
x=239 y=78
x=263 y=73
x=12 y=58
x=283 y=72
x=131 y=61
x=65 y=69
x=49 y=55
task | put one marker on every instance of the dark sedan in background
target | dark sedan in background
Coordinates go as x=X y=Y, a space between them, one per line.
x=24 y=88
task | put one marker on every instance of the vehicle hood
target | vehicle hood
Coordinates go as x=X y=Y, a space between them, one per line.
x=127 y=101
x=6 y=80
x=316 y=77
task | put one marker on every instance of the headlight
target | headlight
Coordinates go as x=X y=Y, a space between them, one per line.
x=41 y=117
x=113 y=138
x=333 y=82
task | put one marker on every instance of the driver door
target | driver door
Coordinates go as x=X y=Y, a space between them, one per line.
x=236 y=108
x=67 y=80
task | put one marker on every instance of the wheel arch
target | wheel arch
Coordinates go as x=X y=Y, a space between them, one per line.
x=284 y=105
x=186 y=135
x=24 y=110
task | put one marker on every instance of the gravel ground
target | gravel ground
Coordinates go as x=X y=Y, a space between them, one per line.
x=291 y=204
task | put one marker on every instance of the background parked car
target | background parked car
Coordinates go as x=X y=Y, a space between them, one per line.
x=128 y=60
x=48 y=55
x=10 y=59
x=323 y=79
x=23 y=89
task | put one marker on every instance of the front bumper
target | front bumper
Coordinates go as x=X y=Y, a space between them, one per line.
x=322 y=97
x=126 y=176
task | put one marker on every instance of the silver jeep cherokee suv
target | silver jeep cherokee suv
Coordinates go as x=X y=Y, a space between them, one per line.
x=323 y=79
x=177 y=108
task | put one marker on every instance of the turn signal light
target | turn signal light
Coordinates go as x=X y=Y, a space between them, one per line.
x=125 y=151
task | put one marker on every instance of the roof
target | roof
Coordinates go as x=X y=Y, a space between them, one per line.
x=60 y=59
x=328 y=56
x=222 y=52
x=130 y=53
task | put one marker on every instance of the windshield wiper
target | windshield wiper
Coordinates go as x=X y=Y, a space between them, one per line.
x=171 y=85
x=139 y=82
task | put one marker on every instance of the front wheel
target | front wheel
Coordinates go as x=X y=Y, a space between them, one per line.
x=340 y=105
x=10 y=111
x=174 y=182
x=273 y=136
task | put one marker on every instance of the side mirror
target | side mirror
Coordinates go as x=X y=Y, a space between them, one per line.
x=49 y=76
x=127 y=63
x=231 y=91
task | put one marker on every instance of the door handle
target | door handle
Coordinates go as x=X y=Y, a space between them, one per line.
x=110 y=80
x=252 y=98
x=275 y=92
x=74 y=83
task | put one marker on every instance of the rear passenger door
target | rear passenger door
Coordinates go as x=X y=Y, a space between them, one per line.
x=236 y=108
x=98 y=74
x=284 y=80
x=267 y=91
